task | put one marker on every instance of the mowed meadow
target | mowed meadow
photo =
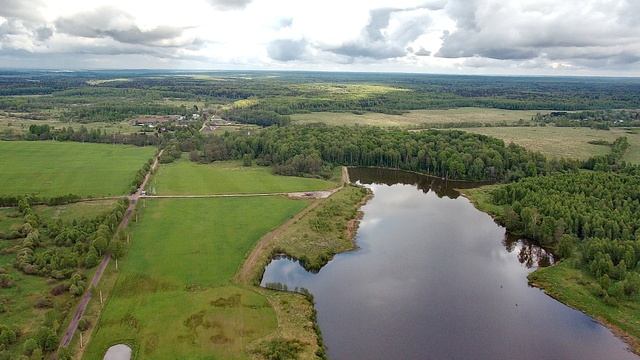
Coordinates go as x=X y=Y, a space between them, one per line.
x=174 y=297
x=184 y=177
x=47 y=168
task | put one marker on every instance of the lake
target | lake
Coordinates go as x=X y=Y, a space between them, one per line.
x=435 y=278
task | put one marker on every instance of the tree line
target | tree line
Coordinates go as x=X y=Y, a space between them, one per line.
x=310 y=150
x=591 y=216
x=83 y=134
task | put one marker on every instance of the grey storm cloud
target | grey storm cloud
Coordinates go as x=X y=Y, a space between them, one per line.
x=609 y=32
x=287 y=49
x=422 y=52
x=375 y=42
x=43 y=33
x=26 y=10
x=109 y=22
x=229 y=4
x=22 y=19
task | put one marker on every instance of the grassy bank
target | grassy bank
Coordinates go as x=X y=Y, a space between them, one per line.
x=49 y=168
x=184 y=177
x=316 y=234
x=572 y=286
x=313 y=238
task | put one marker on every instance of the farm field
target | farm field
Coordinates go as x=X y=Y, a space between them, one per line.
x=565 y=142
x=184 y=177
x=15 y=126
x=418 y=117
x=55 y=168
x=186 y=251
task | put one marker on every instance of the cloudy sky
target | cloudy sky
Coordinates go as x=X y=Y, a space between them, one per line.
x=564 y=37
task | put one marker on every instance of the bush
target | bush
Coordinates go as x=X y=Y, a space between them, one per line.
x=44 y=303
x=47 y=339
x=59 y=289
x=281 y=349
x=29 y=346
x=84 y=324
x=7 y=336
x=6 y=281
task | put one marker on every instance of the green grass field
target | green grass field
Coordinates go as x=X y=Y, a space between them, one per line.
x=174 y=297
x=17 y=126
x=184 y=177
x=48 y=168
x=418 y=117
x=559 y=142
x=18 y=302
x=10 y=217
x=79 y=210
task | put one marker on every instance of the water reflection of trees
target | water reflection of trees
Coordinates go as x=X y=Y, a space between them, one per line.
x=423 y=182
x=530 y=254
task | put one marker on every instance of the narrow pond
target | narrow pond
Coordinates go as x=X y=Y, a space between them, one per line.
x=434 y=278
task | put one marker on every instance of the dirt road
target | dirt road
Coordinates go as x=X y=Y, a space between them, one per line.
x=84 y=300
x=247 y=270
x=242 y=276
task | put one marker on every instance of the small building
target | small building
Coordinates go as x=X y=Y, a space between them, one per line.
x=154 y=120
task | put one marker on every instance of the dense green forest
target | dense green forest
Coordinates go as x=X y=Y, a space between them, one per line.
x=592 y=215
x=82 y=134
x=299 y=150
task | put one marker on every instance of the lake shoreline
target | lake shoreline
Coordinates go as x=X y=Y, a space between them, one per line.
x=550 y=288
x=302 y=324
